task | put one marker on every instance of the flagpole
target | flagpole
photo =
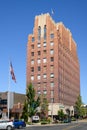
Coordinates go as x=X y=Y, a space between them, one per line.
x=8 y=89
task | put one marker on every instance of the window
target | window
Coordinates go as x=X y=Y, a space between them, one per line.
x=51 y=35
x=39 y=68
x=51 y=51
x=32 y=61
x=51 y=43
x=39 y=52
x=44 y=44
x=39 y=32
x=38 y=77
x=32 y=69
x=32 y=77
x=38 y=45
x=44 y=32
x=38 y=92
x=44 y=60
x=52 y=100
x=52 y=75
x=32 y=53
x=44 y=53
x=52 y=84
x=38 y=61
x=32 y=46
x=44 y=76
x=38 y=84
x=52 y=93
x=51 y=67
x=44 y=68
x=52 y=58
x=44 y=85
x=33 y=39
x=44 y=91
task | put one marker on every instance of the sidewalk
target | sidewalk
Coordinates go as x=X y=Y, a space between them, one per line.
x=39 y=124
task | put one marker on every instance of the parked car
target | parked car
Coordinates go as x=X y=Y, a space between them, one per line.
x=68 y=120
x=6 y=125
x=35 y=119
x=19 y=123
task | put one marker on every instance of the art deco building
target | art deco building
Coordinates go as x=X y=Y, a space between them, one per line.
x=52 y=62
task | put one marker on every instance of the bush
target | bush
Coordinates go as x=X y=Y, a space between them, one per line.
x=73 y=119
x=44 y=122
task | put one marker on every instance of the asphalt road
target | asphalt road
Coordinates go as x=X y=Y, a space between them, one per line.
x=71 y=126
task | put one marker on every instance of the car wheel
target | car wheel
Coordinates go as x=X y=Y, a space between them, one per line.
x=9 y=128
x=20 y=126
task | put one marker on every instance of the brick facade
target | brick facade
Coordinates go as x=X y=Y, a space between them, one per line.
x=52 y=61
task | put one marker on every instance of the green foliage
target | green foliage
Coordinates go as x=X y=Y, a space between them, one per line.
x=30 y=104
x=80 y=111
x=61 y=114
x=25 y=111
x=44 y=106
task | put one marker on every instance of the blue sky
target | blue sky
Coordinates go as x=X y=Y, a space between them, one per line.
x=17 y=22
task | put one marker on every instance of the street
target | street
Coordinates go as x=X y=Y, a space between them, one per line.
x=71 y=126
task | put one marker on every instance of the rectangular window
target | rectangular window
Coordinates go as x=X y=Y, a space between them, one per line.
x=52 y=100
x=51 y=35
x=33 y=39
x=39 y=68
x=52 y=93
x=38 y=61
x=32 y=69
x=51 y=51
x=51 y=67
x=44 y=91
x=44 y=85
x=51 y=43
x=39 y=52
x=38 y=92
x=52 y=84
x=52 y=59
x=44 y=68
x=32 y=46
x=44 y=44
x=52 y=75
x=38 y=77
x=44 y=60
x=38 y=85
x=44 y=32
x=32 y=61
x=38 y=45
x=32 y=53
x=32 y=77
x=44 y=76
x=39 y=33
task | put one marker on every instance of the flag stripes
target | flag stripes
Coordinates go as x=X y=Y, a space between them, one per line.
x=12 y=72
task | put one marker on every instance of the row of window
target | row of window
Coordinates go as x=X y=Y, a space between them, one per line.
x=39 y=35
x=44 y=60
x=39 y=85
x=44 y=44
x=45 y=92
x=44 y=76
x=44 y=52
x=44 y=68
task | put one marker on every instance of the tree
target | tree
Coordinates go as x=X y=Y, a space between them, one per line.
x=25 y=111
x=61 y=114
x=31 y=103
x=44 y=106
x=79 y=110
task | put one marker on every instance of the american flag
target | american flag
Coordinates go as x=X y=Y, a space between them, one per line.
x=12 y=72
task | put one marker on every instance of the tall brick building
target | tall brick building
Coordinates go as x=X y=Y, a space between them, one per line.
x=52 y=62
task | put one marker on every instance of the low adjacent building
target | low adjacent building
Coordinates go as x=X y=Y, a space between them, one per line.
x=16 y=101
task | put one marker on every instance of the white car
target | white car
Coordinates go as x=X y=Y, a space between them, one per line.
x=6 y=125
